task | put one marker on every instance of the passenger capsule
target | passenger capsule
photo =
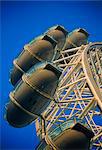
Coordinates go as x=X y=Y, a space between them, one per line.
x=32 y=95
x=76 y=38
x=78 y=138
x=40 y=50
x=58 y=33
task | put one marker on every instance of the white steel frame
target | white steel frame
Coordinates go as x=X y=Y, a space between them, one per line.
x=79 y=93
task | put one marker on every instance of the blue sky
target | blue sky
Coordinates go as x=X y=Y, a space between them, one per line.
x=20 y=23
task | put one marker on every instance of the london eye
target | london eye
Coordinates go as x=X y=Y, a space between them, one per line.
x=57 y=82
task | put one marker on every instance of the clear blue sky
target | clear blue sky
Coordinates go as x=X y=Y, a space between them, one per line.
x=21 y=22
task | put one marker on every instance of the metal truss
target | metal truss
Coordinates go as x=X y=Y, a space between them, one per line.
x=79 y=94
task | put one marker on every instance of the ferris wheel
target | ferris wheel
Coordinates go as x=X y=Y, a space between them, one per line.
x=58 y=85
